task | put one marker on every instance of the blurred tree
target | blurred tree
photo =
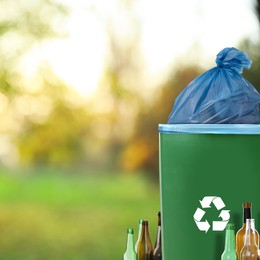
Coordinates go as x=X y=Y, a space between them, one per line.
x=142 y=151
x=257 y=9
x=131 y=135
x=120 y=87
x=23 y=24
x=253 y=49
x=54 y=131
x=58 y=141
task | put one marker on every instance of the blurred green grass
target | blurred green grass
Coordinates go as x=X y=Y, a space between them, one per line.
x=56 y=216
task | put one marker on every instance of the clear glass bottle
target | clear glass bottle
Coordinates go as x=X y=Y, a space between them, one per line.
x=130 y=253
x=157 y=252
x=145 y=248
x=139 y=233
x=230 y=244
x=247 y=214
x=250 y=248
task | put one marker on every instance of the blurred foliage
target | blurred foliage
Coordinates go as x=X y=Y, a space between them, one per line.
x=22 y=25
x=58 y=141
x=253 y=50
x=49 y=124
x=257 y=9
x=142 y=152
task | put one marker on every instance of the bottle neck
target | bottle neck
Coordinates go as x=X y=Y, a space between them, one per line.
x=139 y=231
x=247 y=214
x=250 y=237
x=230 y=244
x=130 y=242
x=158 y=238
x=159 y=219
x=146 y=232
x=139 y=235
x=145 y=237
x=142 y=237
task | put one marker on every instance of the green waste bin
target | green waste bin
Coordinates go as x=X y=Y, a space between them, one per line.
x=206 y=173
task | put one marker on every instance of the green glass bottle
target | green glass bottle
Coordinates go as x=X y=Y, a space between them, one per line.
x=145 y=248
x=139 y=233
x=130 y=253
x=157 y=252
x=230 y=244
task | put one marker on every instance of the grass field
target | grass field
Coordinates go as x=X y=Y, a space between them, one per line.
x=49 y=215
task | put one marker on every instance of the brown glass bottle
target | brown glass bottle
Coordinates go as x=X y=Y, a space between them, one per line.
x=145 y=248
x=247 y=214
x=157 y=252
x=250 y=249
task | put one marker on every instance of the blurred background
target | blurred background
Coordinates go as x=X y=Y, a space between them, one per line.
x=84 y=85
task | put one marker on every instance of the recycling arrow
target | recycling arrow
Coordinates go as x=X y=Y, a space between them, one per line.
x=218 y=202
x=219 y=225
x=198 y=215
x=224 y=214
x=206 y=201
x=203 y=226
x=216 y=225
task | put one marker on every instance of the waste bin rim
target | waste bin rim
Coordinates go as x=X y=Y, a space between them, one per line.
x=209 y=128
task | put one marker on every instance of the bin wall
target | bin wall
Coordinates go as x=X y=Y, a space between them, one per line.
x=193 y=166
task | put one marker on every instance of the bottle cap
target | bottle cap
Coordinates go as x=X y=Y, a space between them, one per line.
x=247 y=205
x=230 y=226
x=159 y=218
x=145 y=223
x=130 y=231
x=141 y=220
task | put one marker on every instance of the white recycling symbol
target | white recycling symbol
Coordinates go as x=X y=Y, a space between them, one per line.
x=216 y=225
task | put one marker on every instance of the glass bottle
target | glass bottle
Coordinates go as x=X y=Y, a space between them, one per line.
x=130 y=253
x=250 y=249
x=247 y=214
x=157 y=253
x=145 y=248
x=139 y=233
x=230 y=244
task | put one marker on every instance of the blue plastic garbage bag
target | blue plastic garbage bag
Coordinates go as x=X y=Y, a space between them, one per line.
x=219 y=96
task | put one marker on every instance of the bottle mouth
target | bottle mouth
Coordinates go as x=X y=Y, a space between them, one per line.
x=130 y=231
x=145 y=223
x=247 y=205
x=141 y=220
x=159 y=218
x=230 y=226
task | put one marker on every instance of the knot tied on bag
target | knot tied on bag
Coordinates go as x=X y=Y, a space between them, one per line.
x=234 y=59
x=221 y=95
